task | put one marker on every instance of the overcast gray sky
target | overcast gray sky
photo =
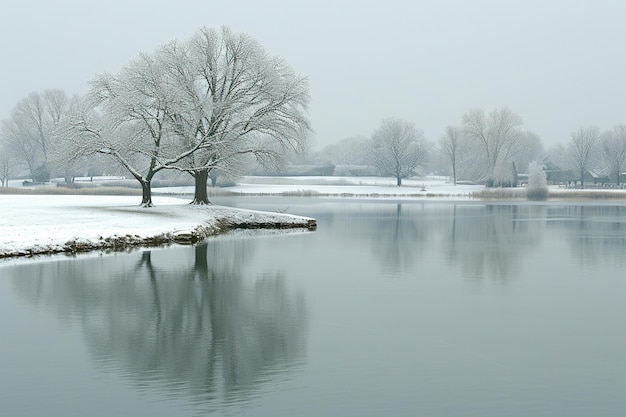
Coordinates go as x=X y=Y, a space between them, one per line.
x=559 y=64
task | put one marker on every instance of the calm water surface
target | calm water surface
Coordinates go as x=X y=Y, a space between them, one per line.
x=396 y=309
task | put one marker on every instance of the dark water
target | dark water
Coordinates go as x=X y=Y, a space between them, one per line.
x=388 y=309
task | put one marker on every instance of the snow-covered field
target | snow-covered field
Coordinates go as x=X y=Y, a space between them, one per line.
x=37 y=224
x=342 y=186
x=34 y=224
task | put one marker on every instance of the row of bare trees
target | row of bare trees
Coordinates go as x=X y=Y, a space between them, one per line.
x=27 y=136
x=488 y=147
x=485 y=148
x=194 y=106
x=591 y=149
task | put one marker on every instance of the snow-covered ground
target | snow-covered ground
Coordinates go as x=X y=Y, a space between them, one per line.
x=342 y=186
x=37 y=224
x=33 y=224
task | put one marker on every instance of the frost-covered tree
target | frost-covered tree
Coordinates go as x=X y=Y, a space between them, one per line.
x=234 y=100
x=29 y=131
x=397 y=149
x=614 y=149
x=496 y=135
x=537 y=187
x=504 y=174
x=20 y=142
x=6 y=163
x=451 y=145
x=582 y=148
x=198 y=105
x=128 y=117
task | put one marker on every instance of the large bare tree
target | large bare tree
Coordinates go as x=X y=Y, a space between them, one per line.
x=582 y=148
x=398 y=148
x=496 y=134
x=195 y=106
x=235 y=100
x=30 y=130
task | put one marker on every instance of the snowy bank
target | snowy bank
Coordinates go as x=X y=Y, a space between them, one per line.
x=47 y=224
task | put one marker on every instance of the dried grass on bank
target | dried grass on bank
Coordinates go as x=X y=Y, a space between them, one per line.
x=570 y=195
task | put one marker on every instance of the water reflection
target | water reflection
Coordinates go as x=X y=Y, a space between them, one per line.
x=195 y=327
x=486 y=242
x=399 y=237
x=595 y=233
x=220 y=327
x=491 y=241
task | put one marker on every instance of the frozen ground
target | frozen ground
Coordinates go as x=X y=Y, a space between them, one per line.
x=342 y=186
x=39 y=224
x=33 y=224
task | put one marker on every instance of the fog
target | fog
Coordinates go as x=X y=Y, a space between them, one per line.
x=557 y=64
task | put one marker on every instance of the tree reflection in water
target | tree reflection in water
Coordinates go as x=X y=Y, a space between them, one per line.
x=490 y=241
x=400 y=236
x=485 y=241
x=596 y=233
x=197 y=330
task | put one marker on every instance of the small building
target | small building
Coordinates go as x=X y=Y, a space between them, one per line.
x=571 y=177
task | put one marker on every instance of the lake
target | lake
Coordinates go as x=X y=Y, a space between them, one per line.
x=395 y=308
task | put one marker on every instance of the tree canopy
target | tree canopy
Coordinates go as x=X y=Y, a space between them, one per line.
x=397 y=148
x=194 y=106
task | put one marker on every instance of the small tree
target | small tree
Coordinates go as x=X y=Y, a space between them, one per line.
x=614 y=149
x=397 y=149
x=504 y=175
x=582 y=149
x=537 y=188
x=5 y=166
x=450 y=145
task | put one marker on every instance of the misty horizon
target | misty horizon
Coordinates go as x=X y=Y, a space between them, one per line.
x=556 y=65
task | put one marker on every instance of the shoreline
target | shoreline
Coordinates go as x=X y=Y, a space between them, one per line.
x=117 y=243
x=39 y=224
x=34 y=226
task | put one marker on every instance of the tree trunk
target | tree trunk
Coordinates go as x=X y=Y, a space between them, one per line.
x=398 y=180
x=582 y=180
x=146 y=194
x=454 y=173
x=200 y=192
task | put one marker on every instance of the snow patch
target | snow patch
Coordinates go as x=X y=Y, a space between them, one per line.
x=44 y=224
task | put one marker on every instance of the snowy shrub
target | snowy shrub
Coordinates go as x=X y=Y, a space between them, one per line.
x=537 y=188
x=504 y=175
